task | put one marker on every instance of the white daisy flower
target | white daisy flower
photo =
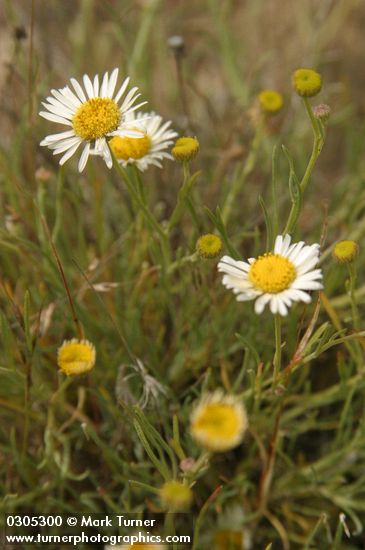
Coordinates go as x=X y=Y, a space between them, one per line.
x=277 y=278
x=93 y=113
x=155 y=137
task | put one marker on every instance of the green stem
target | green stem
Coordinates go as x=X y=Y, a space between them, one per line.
x=277 y=356
x=183 y=199
x=200 y=517
x=317 y=145
x=354 y=310
x=140 y=186
x=274 y=193
x=318 y=142
x=59 y=207
x=136 y=196
x=246 y=171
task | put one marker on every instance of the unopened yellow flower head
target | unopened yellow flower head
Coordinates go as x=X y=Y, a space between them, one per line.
x=209 y=246
x=185 y=148
x=271 y=102
x=307 y=82
x=218 y=422
x=175 y=496
x=345 y=251
x=76 y=356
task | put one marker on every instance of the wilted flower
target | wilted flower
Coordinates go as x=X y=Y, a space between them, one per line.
x=322 y=112
x=218 y=422
x=76 y=356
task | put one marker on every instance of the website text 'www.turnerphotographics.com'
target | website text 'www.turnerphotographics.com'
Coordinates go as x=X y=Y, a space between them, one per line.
x=75 y=530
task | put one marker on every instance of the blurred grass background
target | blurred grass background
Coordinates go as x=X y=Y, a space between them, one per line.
x=77 y=451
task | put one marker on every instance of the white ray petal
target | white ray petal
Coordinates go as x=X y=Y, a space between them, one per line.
x=298 y=295
x=59 y=109
x=69 y=153
x=261 y=303
x=283 y=310
x=78 y=89
x=122 y=89
x=67 y=144
x=55 y=118
x=88 y=86
x=71 y=102
x=274 y=306
x=104 y=86
x=112 y=82
x=58 y=137
x=84 y=157
x=96 y=85
x=246 y=297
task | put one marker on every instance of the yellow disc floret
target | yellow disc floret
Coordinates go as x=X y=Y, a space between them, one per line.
x=218 y=422
x=96 y=118
x=175 y=496
x=272 y=273
x=209 y=246
x=345 y=251
x=76 y=356
x=270 y=101
x=307 y=82
x=126 y=148
x=185 y=148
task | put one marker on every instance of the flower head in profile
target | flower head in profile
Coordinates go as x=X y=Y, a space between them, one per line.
x=218 y=422
x=307 y=82
x=76 y=357
x=277 y=278
x=92 y=113
x=271 y=102
x=175 y=496
x=155 y=136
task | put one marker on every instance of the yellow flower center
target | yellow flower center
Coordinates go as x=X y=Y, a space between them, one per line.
x=125 y=148
x=96 y=118
x=76 y=357
x=272 y=273
x=218 y=420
